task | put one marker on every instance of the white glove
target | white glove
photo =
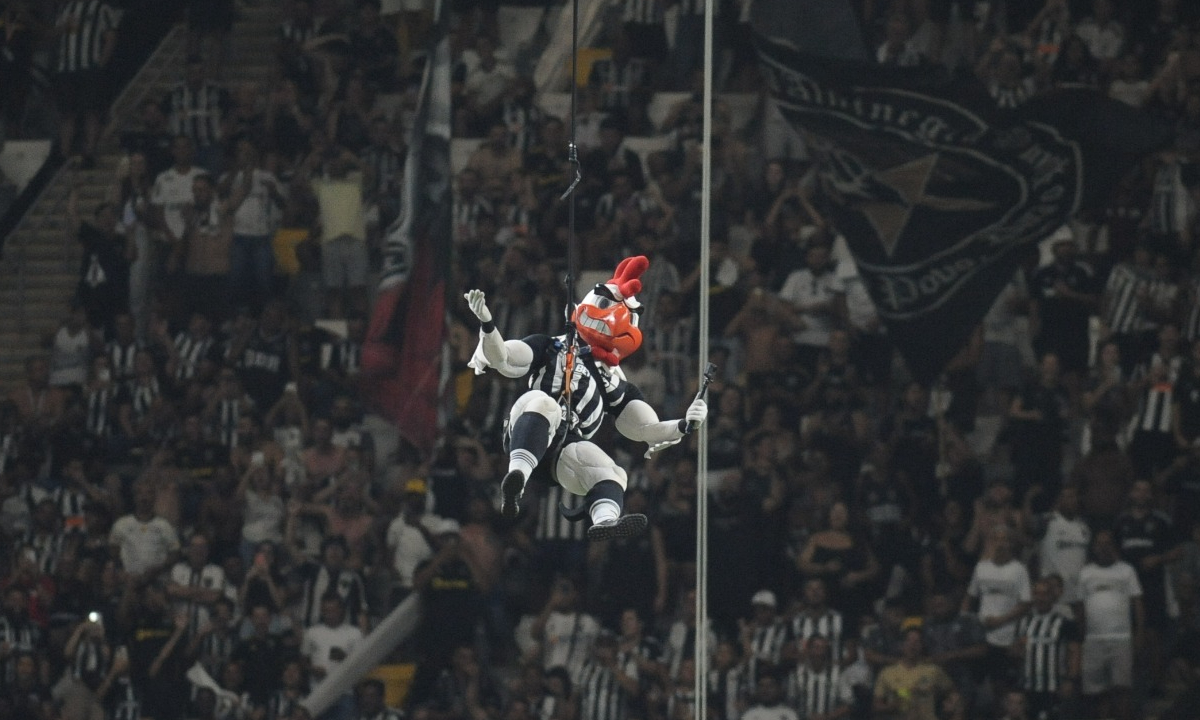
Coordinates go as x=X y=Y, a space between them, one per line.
x=696 y=413
x=477 y=301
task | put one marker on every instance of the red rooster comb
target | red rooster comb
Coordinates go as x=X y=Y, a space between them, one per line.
x=626 y=277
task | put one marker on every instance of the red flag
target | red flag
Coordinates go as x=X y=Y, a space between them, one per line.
x=402 y=356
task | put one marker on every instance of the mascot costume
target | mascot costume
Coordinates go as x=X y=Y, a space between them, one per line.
x=575 y=380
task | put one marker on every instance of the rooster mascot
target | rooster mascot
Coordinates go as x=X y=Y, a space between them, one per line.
x=575 y=380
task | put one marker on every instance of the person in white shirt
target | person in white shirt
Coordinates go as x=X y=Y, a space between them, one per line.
x=172 y=191
x=817 y=294
x=565 y=634
x=1000 y=590
x=196 y=584
x=144 y=542
x=411 y=537
x=1113 y=619
x=1065 y=543
x=327 y=644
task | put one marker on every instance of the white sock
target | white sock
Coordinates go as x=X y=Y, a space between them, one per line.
x=523 y=460
x=603 y=511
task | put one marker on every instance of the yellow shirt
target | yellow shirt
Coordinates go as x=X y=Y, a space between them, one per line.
x=341 y=203
x=918 y=688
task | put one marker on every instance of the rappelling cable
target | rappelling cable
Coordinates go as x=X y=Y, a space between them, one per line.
x=569 y=196
x=701 y=648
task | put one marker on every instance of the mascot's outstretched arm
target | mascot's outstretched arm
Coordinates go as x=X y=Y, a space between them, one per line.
x=640 y=423
x=510 y=358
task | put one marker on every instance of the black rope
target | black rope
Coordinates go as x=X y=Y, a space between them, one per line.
x=573 y=158
x=569 y=196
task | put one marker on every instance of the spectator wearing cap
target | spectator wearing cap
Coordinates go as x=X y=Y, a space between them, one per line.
x=412 y=536
x=762 y=636
x=912 y=688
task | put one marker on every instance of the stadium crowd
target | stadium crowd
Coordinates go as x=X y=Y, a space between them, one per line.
x=203 y=519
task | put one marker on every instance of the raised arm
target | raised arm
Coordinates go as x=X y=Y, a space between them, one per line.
x=510 y=358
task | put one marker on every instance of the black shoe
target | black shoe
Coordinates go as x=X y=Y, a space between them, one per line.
x=87 y=162
x=511 y=488
x=624 y=526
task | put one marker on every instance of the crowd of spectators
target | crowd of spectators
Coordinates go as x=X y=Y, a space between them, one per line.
x=204 y=520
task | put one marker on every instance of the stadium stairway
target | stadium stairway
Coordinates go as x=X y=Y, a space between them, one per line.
x=39 y=266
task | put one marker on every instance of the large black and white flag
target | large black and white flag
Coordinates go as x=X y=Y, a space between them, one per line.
x=936 y=190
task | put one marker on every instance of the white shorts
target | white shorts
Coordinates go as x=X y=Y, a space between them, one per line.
x=1107 y=664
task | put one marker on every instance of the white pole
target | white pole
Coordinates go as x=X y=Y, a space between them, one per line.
x=701 y=684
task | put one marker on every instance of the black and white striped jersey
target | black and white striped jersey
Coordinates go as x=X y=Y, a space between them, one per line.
x=47 y=548
x=643 y=12
x=588 y=403
x=197 y=112
x=91 y=662
x=830 y=626
x=100 y=411
x=280 y=705
x=123 y=702
x=728 y=691
x=1128 y=290
x=1046 y=639
x=601 y=696
x=21 y=636
x=191 y=351
x=120 y=358
x=551 y=525
x=766 y=646
x=85 y=26
x=817 y=692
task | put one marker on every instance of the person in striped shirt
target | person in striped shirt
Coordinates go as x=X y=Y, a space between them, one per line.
x=86 y=31
x=1048 y=646
x=817 y=689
